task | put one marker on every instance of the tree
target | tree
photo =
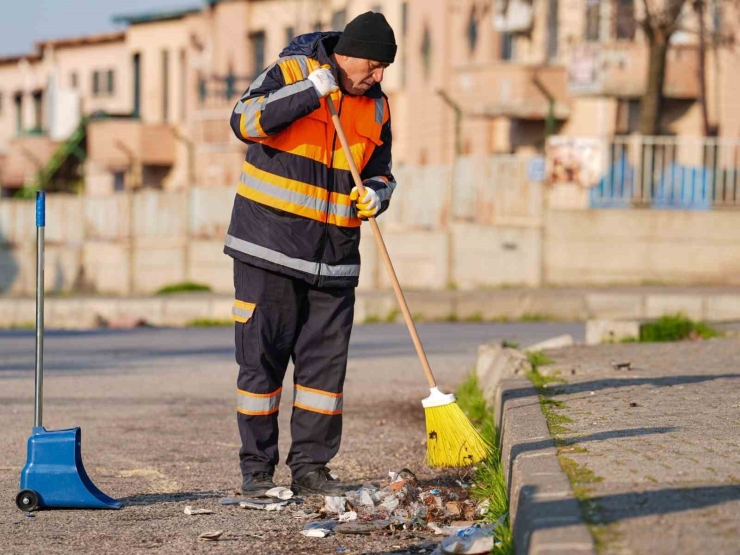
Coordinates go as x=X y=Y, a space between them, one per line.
x=658 y=24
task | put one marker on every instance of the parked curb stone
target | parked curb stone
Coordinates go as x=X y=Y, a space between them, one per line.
x=545 y=515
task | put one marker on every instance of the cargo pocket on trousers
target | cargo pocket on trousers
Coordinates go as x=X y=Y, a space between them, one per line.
x=242 y=313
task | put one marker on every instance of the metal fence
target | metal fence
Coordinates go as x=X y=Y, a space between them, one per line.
x=686 y=173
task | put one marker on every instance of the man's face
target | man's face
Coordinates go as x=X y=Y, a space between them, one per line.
x=357 y=75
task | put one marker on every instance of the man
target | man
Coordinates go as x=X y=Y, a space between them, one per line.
x=294 y=236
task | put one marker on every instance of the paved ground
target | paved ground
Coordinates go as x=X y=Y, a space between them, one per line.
x=662 y=438
x=157 y=412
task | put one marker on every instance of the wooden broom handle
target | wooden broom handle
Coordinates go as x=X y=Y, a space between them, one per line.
x=382 y=248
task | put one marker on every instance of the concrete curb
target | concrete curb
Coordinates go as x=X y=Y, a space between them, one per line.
x=572 y=304
x=545 y=515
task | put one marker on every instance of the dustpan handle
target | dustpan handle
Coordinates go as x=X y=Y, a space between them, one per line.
x=40 y=224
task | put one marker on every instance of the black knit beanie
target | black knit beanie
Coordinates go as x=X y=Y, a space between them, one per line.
x=370 y=37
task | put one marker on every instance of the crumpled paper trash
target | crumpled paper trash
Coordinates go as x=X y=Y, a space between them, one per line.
x=349 y=515
x=211 y=536
x=274 y=506
x=335 y=505
x=279 y=492
x=474 y=540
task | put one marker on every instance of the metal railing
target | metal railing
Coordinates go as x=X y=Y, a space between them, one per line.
x=689 y=173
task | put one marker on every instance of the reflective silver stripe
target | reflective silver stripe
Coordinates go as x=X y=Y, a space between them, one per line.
x=379 y=110
x=349 y=270
x=257 y=83
x=289 y=90
x=317 y=402
x=344 y=270
x=296 y=198
x=241 y=312
x=257 y=404
x=386 y=192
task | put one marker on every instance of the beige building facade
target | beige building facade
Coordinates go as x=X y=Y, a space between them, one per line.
x=472 y=77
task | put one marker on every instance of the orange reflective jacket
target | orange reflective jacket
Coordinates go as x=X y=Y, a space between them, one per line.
x=292 y=212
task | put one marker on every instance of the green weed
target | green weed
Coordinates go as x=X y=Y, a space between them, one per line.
x=184 y=287
x=675 y=328
x=209 y=323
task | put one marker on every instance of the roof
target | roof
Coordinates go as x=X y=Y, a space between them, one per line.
x=153 y=17
x=82 y=41
x=15 y=58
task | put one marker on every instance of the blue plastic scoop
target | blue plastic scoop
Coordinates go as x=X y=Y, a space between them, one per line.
x=54 y=477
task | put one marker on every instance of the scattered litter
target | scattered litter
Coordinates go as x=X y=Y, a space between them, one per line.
x=230 y=501
x=305 y=515
x=211 y=536
x=356 y=528
x=279 y=492
x=622 y=365
x=319 y=529
x=461 y=484
x=29 y=515
x=346 y=517
x=341 y=549
x=366 y=499
x=483 y=507
x=190 y=511
x=454 y=508
x=435 y=492
x=273 y=506
x=335 y=505
x=390 y=504
x=633 y=405
x=470 y=540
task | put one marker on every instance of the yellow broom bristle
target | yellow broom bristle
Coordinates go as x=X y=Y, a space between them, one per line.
x=452 y=440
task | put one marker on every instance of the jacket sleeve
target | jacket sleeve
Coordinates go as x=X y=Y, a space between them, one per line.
x=269 y=105
x=377 y=172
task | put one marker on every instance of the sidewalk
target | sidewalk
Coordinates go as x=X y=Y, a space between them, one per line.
x=652 y=452
x=566 y=304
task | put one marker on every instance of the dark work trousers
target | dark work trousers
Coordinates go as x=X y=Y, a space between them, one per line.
x=279 y=318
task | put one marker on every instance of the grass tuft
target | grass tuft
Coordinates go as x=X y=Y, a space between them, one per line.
x=209 y=323
x=184 y=287
x=675 y=327
x=490 y=482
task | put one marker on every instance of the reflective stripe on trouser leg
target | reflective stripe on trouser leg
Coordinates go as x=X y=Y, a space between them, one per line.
x=320 y=367
x=266 y=315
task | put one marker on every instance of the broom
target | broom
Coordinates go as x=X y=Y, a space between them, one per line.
x=452 y=440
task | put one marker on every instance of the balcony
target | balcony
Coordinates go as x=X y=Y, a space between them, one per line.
x=120 y=143
x=620 y=69
x=26 y=157
x=511 y=90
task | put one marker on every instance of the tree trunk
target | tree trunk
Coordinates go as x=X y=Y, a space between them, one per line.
x=652 y=101
x=699 y=7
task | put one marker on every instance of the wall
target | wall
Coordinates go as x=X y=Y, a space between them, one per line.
x=641 y=246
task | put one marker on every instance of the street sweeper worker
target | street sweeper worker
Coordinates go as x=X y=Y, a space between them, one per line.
x=294 y=237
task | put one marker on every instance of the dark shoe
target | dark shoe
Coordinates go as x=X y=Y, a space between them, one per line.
x=257 y=484
x=318 y=482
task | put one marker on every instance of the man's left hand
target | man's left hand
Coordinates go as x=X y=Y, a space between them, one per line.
x=368 y=205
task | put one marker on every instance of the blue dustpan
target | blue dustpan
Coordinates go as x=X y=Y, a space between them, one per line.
x=54 y=476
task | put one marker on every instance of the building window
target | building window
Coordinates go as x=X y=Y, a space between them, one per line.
x=119 y=181
x=339 y=20
x=716 y=11
x=73 y=80
x=289 y=34
x=625 y=23
x=19 y=113
x=592 y=20
x=103 y=82
x=137 y=84
x=165 y=85
x=257 y=42
x=472 y=30
x=507 y=46
x=552 y=29
x=426 y=51
x=183 y=84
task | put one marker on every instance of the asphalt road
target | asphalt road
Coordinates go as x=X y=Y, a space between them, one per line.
x=156 y=407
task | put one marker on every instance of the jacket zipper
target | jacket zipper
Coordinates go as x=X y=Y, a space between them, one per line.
x=329 y=188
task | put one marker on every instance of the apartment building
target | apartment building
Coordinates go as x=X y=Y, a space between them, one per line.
x=148 y=106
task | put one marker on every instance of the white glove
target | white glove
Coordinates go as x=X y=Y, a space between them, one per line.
x=323 y=81
x=368 y=205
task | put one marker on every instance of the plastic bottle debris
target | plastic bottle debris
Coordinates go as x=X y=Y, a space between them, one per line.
x=434 y=492
x=390 y=504
x=279 y=492
x=190 y=511
x=211 y=536
x=346 y=517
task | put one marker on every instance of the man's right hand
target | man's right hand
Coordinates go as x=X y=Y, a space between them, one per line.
x=323 y=81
